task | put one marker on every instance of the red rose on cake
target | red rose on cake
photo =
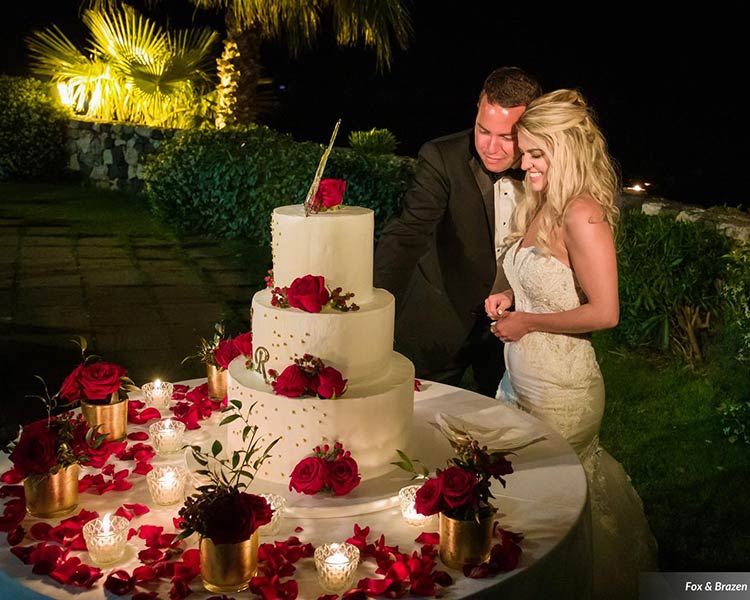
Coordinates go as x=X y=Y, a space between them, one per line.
x=308 y=376
x=308 y=293
x=330 y=469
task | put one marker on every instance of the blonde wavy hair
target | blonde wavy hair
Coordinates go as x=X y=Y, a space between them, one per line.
x=563 y=126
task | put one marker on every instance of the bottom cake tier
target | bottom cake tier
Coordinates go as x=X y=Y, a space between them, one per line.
x=372 y=420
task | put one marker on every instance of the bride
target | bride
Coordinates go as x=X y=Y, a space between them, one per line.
x=562 y=268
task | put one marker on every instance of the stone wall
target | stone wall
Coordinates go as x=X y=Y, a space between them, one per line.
x=111 y=155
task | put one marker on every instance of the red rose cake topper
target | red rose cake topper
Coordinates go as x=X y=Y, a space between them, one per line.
x=330 y=469
x=325 y=194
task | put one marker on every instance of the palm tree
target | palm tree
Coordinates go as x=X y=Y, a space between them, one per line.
x=373 y=23
x=132 y=71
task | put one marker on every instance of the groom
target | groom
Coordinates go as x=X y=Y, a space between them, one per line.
x=439 y=258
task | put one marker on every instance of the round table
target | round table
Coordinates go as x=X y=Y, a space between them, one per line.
x=545 y=500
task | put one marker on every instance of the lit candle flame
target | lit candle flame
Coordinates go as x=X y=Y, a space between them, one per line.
x=106 y=524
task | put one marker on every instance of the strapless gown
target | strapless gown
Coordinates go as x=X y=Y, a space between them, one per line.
x=556 y=378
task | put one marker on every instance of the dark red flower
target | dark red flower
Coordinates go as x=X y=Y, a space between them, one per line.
x=429 y=498
x=292 y=382
x=309 y=476
x=71 y=387
x=330 y=383
x=99 y=380
x=343 y=475
x=233 y=517
x=330 y=192
x=308 y=293
x=244 y=343
x=36 y=451
x=225 y=353
x=458 y=486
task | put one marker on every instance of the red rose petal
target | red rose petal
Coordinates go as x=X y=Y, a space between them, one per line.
x=138 y=435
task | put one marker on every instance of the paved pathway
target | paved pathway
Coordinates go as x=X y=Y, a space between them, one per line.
x=143 y=303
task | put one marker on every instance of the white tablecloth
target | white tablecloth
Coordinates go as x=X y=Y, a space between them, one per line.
x=545 y=499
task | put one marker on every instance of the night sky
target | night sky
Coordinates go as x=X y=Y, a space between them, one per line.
x=665 y=83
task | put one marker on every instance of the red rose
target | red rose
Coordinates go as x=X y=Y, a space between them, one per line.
x=429 y=498
x=292 y=383
x=308 y=293
x=234 y=517
x=329 y=383
x=458 y=486
x=71 y=388
x=100 y=379
x=36 y=451
x=498 y=466
x=330 y=192
x=225 y=353
x=309 y=476
x=244 y=343
x=343 y=475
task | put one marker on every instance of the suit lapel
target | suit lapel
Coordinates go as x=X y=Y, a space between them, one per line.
x=487 y=190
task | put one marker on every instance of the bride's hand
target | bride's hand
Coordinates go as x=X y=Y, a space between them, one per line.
x=510 y=326
x=495 y=304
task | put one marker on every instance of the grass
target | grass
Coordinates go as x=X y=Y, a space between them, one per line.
x=661 y=420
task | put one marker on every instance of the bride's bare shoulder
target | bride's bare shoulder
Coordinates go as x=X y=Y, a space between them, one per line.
x=583 y=210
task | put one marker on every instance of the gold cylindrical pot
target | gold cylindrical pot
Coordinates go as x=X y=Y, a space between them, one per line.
x=217 y=382
x=465 y=542
x=111 y=418
x=49 y=495
x=228 y=567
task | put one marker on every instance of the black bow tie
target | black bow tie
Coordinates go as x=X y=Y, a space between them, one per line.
x=517 y=174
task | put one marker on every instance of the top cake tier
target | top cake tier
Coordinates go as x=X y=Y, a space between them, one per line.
x=336 y=244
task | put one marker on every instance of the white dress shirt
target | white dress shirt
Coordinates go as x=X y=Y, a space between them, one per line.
x=507 y=192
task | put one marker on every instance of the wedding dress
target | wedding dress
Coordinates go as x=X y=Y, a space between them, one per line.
x=556 y=378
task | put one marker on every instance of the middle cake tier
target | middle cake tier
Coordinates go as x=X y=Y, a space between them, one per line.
x=359 y=344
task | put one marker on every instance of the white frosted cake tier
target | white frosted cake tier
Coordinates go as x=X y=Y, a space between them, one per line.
x=372 y=419
x=359 y=343
x=336 y=244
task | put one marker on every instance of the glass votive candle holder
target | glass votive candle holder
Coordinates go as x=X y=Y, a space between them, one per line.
x=406 y=497
x=106 y=538
x=278 y=504
x=157 y=393
x=166 y=484
x=336 y=565
x=166 y=435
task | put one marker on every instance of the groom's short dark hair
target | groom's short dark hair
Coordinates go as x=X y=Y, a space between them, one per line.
x=509 y=87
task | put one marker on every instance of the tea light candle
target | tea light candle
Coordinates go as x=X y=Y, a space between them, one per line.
x=167 y=435
x=166 y=484
x=158 y=393
x=406 y=497
x=106 y=538
x=336 y=565
x=278 y=504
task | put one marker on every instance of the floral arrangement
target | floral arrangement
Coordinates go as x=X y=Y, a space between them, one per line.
x=220 y=350
x=96 y=381
x=308 y=376
x=462 y=489
x=53 y=443
x=222 y=510
x=309 y=293
x=329 y=469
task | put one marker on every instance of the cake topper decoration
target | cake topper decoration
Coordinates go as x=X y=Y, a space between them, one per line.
x=311 y=206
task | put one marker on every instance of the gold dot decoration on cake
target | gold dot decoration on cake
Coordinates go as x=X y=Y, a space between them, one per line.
x=294 y=412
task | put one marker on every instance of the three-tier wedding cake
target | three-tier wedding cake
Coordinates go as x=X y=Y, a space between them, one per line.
x=373 y=416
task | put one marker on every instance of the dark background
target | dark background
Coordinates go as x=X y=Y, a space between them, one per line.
x=666 y=83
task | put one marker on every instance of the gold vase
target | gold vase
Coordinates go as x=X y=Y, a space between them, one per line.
x=217 y=382
x=465 y=542
x=228 y=567
x=112 y=418
x=49 y=495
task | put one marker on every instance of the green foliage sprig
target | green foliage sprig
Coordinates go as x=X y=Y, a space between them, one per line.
x=227 y=474
x=206 y=348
